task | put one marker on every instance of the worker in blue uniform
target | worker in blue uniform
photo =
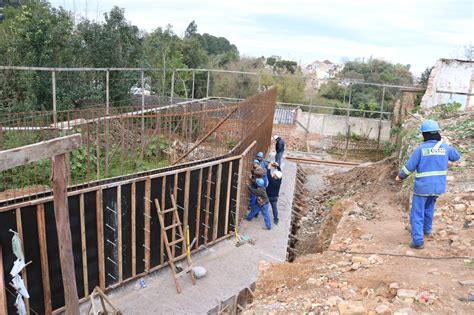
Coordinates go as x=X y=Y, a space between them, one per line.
x=261 y=204
x=430 y=161
x=279 y=148
x=263 y=163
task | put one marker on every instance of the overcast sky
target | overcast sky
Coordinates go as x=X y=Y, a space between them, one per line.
x=415 y=32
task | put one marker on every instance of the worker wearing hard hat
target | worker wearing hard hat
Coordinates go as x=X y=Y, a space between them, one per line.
x=279 y=148
x=261 y=204
x=430 y=161
x=274 y=175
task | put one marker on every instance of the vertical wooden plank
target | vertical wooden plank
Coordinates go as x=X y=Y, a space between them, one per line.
x=100 y=238
x=119 y=232
x=43 y=247
x=217 y=199
x=147 y=223
x=208 y=204
x=186 y=199
x=3 y=296
x=84 y=245
x=162 y=205
x=175 y=189
x=198 y=209
x=240 y=182
x=61 y=213
x=227 y=202
x=134 y=229
x=19 y=228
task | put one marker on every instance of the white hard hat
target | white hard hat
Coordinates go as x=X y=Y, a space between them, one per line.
x=278 y=174
x=276 y=137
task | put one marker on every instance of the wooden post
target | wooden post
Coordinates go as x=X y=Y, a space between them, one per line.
x=61 y=211
x=134 y=229
x=44 y=258
x=217 y=198
x=100 y=237
x=147 y=223
x=19 y=227
x=3 y=296
x=227 y=206
x=84 y=245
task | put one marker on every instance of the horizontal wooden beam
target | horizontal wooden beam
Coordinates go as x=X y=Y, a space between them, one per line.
x=38 y=151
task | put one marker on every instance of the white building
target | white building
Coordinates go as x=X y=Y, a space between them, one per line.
x=451 y=80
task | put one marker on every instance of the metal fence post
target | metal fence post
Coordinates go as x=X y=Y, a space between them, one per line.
x=208 y=82
x=192 y=91
x=107 y=92
x=53 y=79
x=143 y=113
x=380 y=122
x=172 y=87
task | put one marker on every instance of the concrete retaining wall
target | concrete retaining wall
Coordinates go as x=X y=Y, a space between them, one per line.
x=332 y=125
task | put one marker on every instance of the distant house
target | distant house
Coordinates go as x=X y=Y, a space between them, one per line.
x=451 y=80
x=318 y=71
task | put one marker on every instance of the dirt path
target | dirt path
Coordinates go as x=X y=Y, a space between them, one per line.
x=365 y=264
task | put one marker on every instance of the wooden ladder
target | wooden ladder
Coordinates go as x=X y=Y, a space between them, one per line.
x=175 y=223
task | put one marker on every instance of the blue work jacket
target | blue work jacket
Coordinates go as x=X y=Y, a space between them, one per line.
x=431 y=166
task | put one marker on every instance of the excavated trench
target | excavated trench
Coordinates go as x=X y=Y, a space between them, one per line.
x=315 y=214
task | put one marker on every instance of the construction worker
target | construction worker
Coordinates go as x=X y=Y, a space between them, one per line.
x=263 y=163
x=262 y=203
x=279 y=148
x=430 y=161
x=254 y=173
x=273 y=188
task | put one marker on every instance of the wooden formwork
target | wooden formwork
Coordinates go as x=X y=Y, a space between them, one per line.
x=116 y=235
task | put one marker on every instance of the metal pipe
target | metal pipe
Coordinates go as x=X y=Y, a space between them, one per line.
x=107 y=92
x=172 y=87
x=208 y=82
x=53 y=79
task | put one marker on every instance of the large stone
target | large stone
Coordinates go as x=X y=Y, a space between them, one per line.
x=383 y=309
x=374 y=259
x=406 y=293
x=366 y=237
x=333 y=300
x=460 y=207
x=352 y=308
x=467 y=282
x=360 y=259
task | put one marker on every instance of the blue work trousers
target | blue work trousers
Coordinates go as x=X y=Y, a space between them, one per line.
x=273 y=203
x=421 y=217
x=278 y=157
x=266 y=216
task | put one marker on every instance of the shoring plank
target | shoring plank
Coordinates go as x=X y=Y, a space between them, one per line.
x=227 y=202
x=100 y=238
x=43 y=247
x=198 y=209
x=119 y=233
x=175 y=213
x=186 y=199
x=147 y=223
x=208 y=204
x=19 y=227
x=3 y=296
x=84 y=245
x=38 y=151
x=134 y=229
x=217 y=198
x=162 y=205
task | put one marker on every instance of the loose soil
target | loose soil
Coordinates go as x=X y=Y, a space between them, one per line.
x=353 y=250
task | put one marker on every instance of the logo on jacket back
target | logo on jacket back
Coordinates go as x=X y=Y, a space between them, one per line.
x=433 y=151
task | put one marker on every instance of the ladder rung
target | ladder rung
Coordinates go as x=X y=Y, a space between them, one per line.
x=184 y=271
x=168 y=210
x=179 y=240
x=172 y=226
x=179 y=257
